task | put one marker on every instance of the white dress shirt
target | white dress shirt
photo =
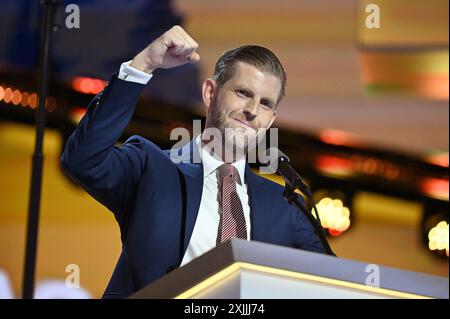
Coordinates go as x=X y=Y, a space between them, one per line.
x=130 y=74
x=206 y=228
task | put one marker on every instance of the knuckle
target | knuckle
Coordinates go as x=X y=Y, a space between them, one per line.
x=165 y=35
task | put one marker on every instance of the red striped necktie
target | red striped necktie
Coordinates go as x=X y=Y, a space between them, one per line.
x=232 y=221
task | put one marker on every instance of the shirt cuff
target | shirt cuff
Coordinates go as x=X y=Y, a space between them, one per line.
x=130 y=74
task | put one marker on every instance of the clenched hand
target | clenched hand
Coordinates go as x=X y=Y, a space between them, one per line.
x=174 y=48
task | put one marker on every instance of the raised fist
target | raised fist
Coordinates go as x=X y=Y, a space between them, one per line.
x=175 y=47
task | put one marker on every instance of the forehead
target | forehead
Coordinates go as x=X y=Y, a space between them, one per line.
x=249 y=76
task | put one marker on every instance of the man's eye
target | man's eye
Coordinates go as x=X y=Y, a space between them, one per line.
x=242 y=93
x=266 y=105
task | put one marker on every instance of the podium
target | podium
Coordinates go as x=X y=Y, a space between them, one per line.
x=240 y=269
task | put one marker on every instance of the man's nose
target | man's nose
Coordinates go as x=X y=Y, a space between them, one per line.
x=251 y=110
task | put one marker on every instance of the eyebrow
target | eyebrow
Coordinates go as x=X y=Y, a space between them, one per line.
x=270 y=101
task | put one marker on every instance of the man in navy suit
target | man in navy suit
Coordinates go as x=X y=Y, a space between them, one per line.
x=170 y=207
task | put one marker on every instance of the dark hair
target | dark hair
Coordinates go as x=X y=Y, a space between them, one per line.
x=261 y=58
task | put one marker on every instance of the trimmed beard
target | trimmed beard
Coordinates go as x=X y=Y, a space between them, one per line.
x=237 y=141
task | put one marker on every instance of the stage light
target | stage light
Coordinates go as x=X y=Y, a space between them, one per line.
x=438 y=237
x=8 y=95
x=337 y=137
x=97 y=85
x=25 y=97
x=334 y=216
x=16 y=97
x=436 y=188
x=32 y=101
x=88 y=85
x=335 y=166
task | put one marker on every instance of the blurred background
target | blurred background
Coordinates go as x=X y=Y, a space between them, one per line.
x=365 y=119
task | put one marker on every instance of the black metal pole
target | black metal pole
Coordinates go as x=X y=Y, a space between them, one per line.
x=293 y=199
x=38 y=158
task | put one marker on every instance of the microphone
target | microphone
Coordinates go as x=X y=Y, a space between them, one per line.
x=279 y=163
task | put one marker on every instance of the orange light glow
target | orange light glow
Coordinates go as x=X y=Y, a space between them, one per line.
x=88 y=85
x=8 y=95
x=334 y=232
x=25 y=97
x=98 y=85
x=334 y=165
x=337 y=137
x=76 y=114
x=440 y=159
x=32 y=101
x=435 y=187
x=16 y=97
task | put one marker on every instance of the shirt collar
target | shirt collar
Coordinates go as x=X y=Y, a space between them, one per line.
x=211 y=163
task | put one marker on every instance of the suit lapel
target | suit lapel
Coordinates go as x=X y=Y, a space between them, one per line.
x=259 y=212
x=193 y=175
x=192 y=169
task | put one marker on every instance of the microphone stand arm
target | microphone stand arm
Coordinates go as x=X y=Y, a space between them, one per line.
x=293 y=198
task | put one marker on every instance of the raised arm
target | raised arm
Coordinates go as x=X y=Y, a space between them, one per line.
x=110 y=173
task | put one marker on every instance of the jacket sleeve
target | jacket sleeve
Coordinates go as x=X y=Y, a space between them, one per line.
x=107 y=172
x=305 y=236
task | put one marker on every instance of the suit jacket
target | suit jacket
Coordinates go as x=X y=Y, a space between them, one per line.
x=156 y=201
